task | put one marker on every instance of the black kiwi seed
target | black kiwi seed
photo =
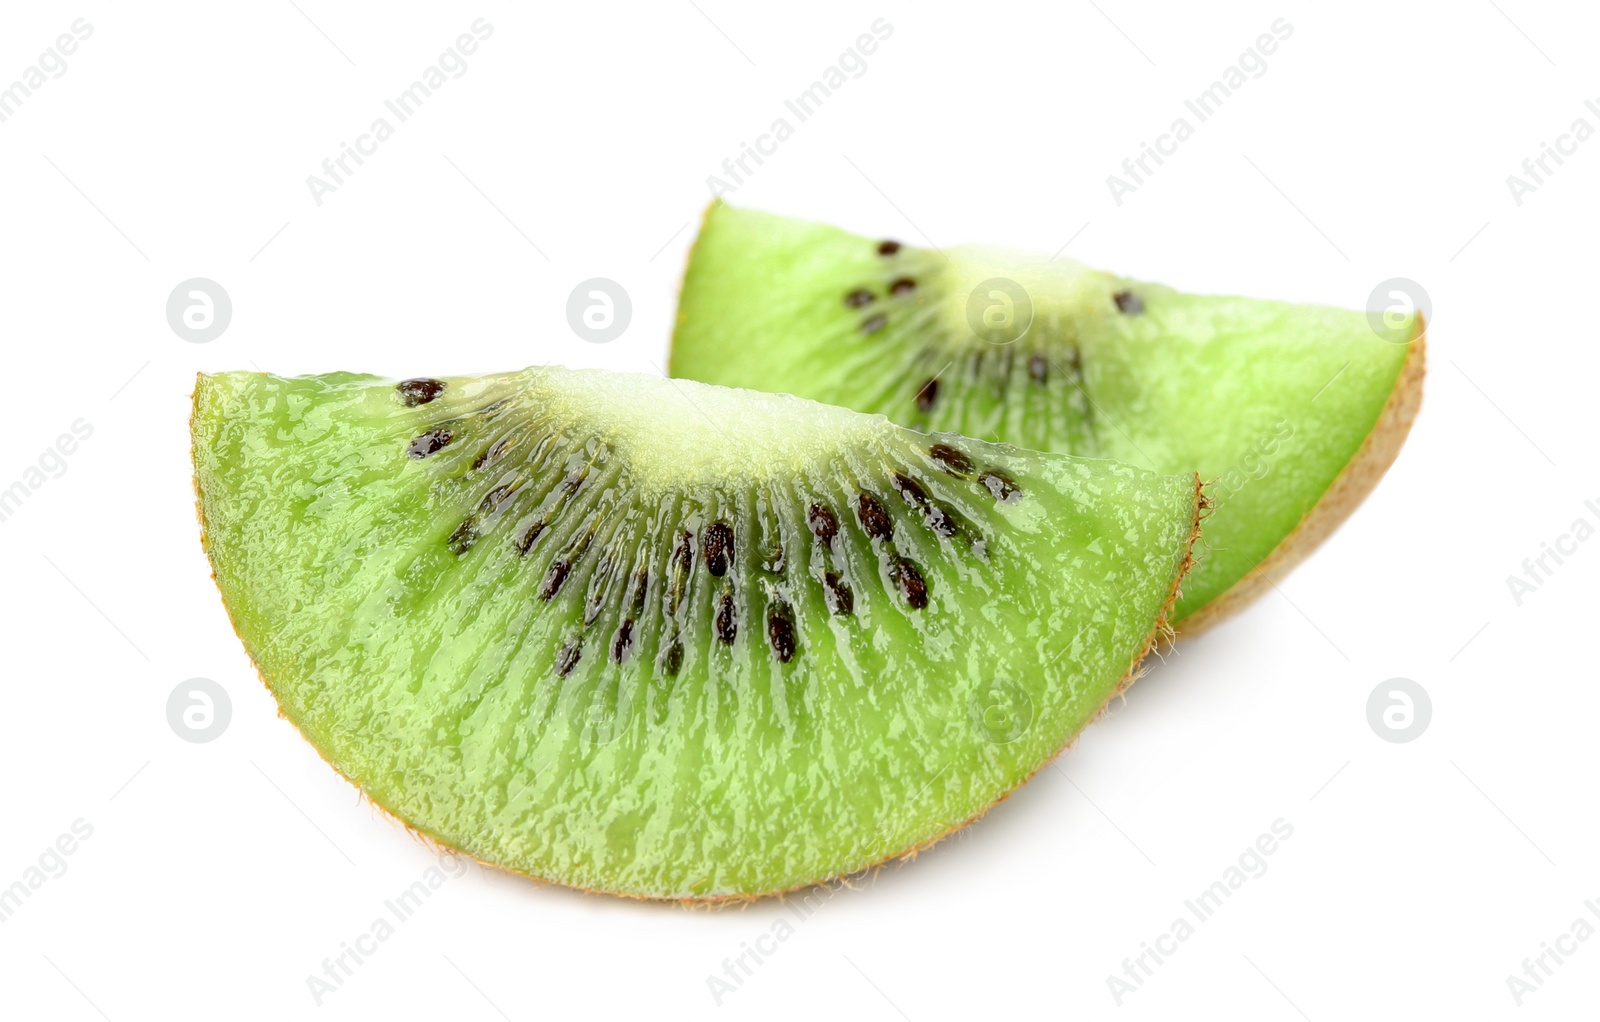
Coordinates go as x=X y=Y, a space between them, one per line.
x=672 y=660
x=681 y=563
x=950 y=459
x=1002 y=486
x=568 y=657
x=429 y=442
x=927 y=395
x=933 y=515
x=622 y=645
x=836 y=593
x=857 y=298
x=823 y=524
x=716 y=544
x=641 y=587
x=872 y=324
x=874 y=519
x=780 y=630
x=419 y=391
x=494 y=498
x=599 y=589
x=888 y=248
x=911 y=490
x=461 y=540
x=554 y=578
x=1128 y=303
x=902 y=287
x=683 y=551
x=491 y=454
x=1038 y=367
x=526 y=541
x=727 y=621
x=912 y=587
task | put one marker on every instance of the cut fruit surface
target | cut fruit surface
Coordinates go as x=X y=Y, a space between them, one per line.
x=668 y=640
x=1291 y=413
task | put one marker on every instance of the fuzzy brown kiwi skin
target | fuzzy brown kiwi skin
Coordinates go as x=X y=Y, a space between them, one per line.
x=1161 y=629
x=1349 y=488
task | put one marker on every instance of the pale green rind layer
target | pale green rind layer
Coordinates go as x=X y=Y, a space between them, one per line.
x=1268 y=401
x=429 y=677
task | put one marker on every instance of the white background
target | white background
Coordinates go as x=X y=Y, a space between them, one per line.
x=1377 y=144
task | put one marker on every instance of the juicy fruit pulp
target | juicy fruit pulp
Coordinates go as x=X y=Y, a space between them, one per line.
x=1268 y=401
x=663 y=639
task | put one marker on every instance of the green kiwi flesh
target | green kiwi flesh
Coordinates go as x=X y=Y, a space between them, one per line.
x=669 y=640
x=1291 y=413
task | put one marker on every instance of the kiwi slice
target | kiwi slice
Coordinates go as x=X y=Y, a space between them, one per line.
x=664 y=639
x=1290 y=412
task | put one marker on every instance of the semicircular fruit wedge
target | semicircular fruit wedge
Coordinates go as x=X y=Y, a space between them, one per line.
x=670 y=640
x=1291 y=413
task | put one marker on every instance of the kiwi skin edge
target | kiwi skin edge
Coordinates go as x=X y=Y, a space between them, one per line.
x=1161 y=629
x=1348 y=489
